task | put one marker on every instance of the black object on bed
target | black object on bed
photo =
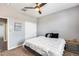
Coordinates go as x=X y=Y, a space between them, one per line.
x=52 y=35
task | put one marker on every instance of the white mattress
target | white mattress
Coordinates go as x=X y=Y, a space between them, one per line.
x=46 y=46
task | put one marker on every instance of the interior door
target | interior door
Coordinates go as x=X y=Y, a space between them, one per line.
x=30 y=30
x=1 y=34
x=3 y=39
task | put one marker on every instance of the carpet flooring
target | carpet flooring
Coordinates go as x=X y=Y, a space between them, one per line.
x=20 y=51
x=68 y=53
x=16 y=52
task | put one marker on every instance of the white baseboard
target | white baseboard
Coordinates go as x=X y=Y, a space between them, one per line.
x=14 y=47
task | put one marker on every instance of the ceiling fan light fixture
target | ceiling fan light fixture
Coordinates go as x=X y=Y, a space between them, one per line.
x=37 y=9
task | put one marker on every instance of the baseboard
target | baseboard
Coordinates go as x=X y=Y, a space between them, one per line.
x=14 y=47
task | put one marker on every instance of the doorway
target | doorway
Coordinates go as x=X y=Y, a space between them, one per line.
x=3 y=33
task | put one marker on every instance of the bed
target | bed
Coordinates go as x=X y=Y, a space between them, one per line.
x=46 y=46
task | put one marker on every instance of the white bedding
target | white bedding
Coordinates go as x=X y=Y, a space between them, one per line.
x=46 y=46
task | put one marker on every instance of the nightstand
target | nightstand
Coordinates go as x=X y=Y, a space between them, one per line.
x=72 y=46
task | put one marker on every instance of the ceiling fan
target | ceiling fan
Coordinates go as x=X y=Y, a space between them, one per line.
x=37 y=7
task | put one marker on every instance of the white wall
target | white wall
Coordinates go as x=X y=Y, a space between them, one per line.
x=15 y=38
x=65 y=22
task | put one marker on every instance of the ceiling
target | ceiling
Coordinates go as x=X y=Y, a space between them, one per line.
x=46 y=9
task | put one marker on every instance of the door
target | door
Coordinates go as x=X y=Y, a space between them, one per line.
x=3 y=34
x=30 y=30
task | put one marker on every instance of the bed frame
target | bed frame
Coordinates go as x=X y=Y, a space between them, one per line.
x=32 y=51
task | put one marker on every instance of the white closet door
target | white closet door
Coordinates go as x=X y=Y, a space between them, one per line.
x=30 y=30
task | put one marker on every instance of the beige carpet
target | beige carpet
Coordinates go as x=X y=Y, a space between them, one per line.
x=16 y=52
x=68 y=53
x=22 y=52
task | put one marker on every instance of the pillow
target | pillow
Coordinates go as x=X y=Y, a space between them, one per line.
x=52 y=35
x=55 y=35
x=47 y=35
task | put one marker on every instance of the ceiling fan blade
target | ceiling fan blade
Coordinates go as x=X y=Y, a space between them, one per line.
x=29 y=7
x=40 y=12
x=23 y=9
x=42 y=4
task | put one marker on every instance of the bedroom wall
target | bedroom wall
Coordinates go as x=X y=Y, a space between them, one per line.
x=65 y=22
x=15 y=38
